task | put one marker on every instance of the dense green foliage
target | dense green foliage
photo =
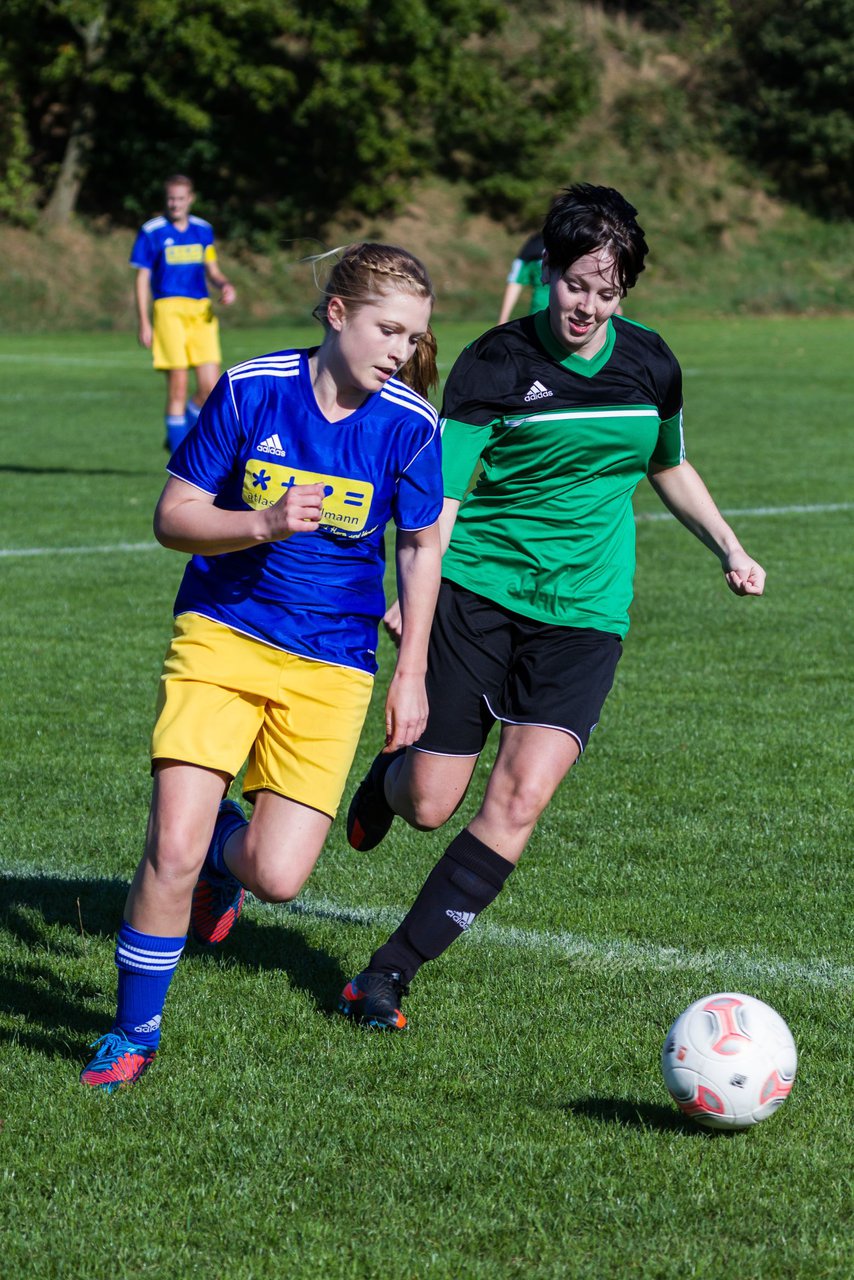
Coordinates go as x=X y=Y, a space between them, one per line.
x=285 y=112
x=520 y=1130
x=780 y=78
x=791 y=73
x=289 y=113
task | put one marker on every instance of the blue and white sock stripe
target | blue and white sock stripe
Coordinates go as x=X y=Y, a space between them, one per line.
x=141 y=959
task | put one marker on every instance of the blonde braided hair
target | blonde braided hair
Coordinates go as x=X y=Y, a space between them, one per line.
x=366 y=272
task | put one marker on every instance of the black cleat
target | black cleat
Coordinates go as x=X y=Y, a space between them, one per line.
x=370 y=815
x=373 y=999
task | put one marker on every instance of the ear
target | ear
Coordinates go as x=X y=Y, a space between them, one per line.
x=545 y=270
x=336 y=313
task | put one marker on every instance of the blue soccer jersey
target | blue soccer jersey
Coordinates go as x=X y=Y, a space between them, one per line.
x=176 y=259
x=318 y=594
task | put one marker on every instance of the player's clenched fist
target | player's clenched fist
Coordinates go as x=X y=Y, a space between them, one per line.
x=297 y=511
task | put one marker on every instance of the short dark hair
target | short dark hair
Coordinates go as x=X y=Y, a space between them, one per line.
x=584 y=218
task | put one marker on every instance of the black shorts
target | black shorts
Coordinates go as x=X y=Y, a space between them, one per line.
x=487 y=663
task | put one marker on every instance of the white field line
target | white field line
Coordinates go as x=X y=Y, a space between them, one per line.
x=739 y=965
x=105 y=361
x=654 y=517
x=736 y=968
x=801 y=509
x=14 y=552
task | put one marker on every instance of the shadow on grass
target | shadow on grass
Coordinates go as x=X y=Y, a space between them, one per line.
x=638 y=1115
x=46 y=993
x=10 y=470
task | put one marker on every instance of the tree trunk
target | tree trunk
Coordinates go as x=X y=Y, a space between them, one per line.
x=72 y=172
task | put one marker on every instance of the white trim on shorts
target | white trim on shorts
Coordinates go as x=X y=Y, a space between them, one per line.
x=535 y=724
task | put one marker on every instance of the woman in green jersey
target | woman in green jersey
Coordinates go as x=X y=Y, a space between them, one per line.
x=566 y=411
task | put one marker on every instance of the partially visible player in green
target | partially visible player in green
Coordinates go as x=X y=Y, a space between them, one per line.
x=564 y=413
x=526 y=271
x=175 y=260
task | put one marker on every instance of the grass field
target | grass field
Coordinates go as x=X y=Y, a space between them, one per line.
x=520 y=1128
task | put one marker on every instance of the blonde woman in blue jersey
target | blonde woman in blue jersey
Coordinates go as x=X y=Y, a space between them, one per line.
x=175 y=260
x=563 y=413
x=281 y=495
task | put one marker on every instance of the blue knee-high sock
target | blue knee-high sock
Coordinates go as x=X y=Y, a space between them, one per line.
x=176 y=429
x=193 y=411
x=146 y=965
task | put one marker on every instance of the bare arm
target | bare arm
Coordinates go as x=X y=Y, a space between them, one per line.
x=683 y=492
x=142 y=294
x=445 y=525
x=227 y=291
x=419 y=566
x=512 y=293
x=187 y=520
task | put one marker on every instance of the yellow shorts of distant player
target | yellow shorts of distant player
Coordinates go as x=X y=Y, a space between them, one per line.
x=186 y=334
x=225 y=696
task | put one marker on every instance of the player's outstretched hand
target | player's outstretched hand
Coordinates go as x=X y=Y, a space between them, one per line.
x=393 y=622
x=297 y=511
x=744 y=576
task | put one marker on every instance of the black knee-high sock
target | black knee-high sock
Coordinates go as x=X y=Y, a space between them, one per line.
x=467 y=877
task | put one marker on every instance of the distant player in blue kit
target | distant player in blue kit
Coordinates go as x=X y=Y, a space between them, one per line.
x=282 y=495
x=175 y=259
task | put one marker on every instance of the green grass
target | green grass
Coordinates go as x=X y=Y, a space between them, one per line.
x=520 y=1128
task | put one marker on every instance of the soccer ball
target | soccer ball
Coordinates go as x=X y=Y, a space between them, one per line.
x=729 y=1061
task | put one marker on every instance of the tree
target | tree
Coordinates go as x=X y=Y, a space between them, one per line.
x=285 y=112
x=17 y=188
x=790 y=73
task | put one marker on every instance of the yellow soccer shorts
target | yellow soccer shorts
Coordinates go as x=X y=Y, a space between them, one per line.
x=186 y=334
x=225 y=697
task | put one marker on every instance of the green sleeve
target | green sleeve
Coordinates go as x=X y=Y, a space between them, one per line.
x=670 y=446
x=462 y=446
x=531 y=273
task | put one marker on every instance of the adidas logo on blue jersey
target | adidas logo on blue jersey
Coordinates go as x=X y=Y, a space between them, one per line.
x=272 y=445
x=537 y=392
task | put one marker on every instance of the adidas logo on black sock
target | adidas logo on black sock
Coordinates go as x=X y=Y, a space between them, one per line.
x=465 y=919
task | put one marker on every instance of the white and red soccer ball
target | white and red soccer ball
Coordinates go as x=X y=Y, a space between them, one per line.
x=729 y=1061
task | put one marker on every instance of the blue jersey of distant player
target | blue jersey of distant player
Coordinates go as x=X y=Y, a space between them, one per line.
x=318 y=594
x=176 y=259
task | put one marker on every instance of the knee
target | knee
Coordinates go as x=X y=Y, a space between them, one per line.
x=427 y=812
x=176 y=853
x=523 y=802
x=272 y=885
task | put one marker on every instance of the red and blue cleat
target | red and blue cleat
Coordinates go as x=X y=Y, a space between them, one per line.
x=218 y=896
x=118 y=1062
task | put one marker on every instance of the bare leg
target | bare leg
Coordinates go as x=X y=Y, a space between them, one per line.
x=184 y=805
x=177 y=382
x=426 y=789
x=275 y=854
x=207 y=376
x=531 y=764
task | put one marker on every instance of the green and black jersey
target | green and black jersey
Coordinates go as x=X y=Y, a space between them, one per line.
x=527 y=270
x=548 y=530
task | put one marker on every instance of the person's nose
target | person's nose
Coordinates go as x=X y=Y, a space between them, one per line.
x=398 y=348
